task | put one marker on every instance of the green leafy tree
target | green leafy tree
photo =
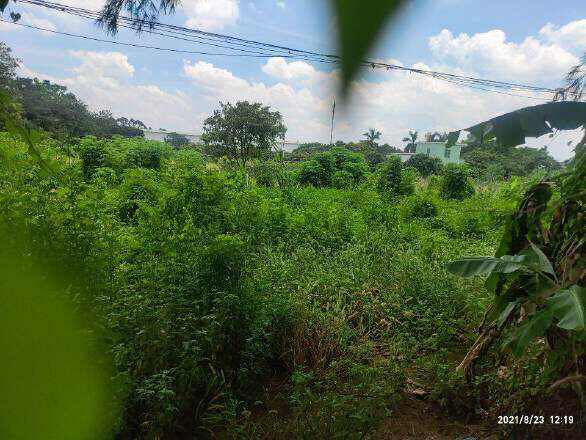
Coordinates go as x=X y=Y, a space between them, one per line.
x=8 y=65
x=243 y=131
x=436 y=136
x=411 y=142
x=393 y=179
x=52 y=108
x=132 y=123
x=492 y=162
x=425 y=165
x=177 y=140
x=103 y=124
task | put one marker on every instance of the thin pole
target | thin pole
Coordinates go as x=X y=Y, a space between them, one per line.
x=333 y=114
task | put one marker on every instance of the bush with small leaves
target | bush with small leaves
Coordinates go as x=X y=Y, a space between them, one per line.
x=144 y=157
x=419 y=206
x=394 y=180
x=456 y=183
x=139 y=187
x=425 y=165
x=320 y=170
x=93 y=156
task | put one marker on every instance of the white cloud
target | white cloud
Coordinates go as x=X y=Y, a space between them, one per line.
x=571 y=35
x=304 y=112
x=211 y=14
x=105 y=80
x=492 y=55
x=102 y=64
x=281 y=4
x=279 y=68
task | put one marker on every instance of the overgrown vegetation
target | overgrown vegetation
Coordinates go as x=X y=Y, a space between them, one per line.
x=206 y=286
x=274 y=300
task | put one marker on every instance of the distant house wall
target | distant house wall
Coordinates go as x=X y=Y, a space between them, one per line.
x=159 y=135
x=438 y=149
x=404 y=156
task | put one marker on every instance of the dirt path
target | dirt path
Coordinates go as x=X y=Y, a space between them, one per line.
x=414 y=418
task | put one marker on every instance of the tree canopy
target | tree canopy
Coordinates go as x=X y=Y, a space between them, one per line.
x=177 y=140
x=8 y=65
x=243 y=131
x=51 y=107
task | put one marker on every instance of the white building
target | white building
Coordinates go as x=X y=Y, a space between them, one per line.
x=159 y=135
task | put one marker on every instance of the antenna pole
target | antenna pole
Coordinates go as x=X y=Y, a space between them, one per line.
x=332 y=129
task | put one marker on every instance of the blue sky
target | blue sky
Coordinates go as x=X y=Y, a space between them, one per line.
x=523 y=41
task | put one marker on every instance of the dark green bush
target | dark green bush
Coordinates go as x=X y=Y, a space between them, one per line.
x=393 y=179
x=145 y=157
x=271 y=174
x=138 y=187
x=93 y=157
x=320 y=171
x=420 y=206
x=456 y=183
x=342 y=179
x=425 y=165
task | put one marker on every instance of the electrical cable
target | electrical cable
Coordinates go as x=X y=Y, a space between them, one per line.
x=256 y=49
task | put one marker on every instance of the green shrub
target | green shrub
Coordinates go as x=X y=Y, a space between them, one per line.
x=320 y=170
x=456 y=183
x=342 y=179
x=106 y=175
x=392 y=179
x=145 y=157
x=419 y=206
x=138 y=188
x=269 y=173
x=425 y=165
x=93 y=156
x=408 y=180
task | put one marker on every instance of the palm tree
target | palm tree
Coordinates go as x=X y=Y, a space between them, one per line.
x=575 y=83
x=372 y=135
x=411 y=141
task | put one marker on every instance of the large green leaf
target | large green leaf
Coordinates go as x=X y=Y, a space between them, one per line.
x=506 y=313
x=471 y=266
x=542 y=261
x=534 y=327
x=511 y=128
x=359 y=25
x=569 y=307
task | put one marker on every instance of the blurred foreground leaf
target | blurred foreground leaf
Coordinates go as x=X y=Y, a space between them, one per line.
x=51 y=386
x=359 y=25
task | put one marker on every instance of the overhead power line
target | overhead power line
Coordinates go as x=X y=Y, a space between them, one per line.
x=239 y=47
x=85 y=37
